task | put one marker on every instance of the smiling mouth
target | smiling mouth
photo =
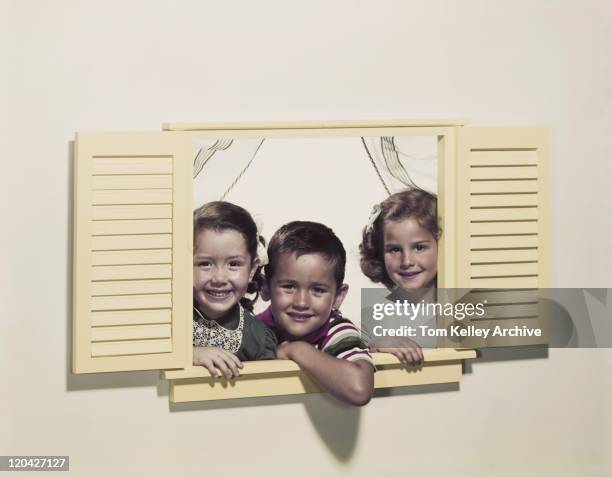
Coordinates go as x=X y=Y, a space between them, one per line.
x=218 y=294
x=299 y=317
x=409 y=274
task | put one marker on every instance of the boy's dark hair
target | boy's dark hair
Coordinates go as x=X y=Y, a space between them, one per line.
x=415 y=203
x=220 y=216
x=302 y=237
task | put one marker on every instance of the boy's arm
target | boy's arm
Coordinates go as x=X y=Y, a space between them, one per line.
x=351 y=382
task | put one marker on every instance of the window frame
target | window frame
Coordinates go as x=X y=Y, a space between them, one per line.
x=280 y=377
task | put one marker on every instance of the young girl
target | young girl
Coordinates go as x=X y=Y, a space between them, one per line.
x=399 y=249
x=227 y=266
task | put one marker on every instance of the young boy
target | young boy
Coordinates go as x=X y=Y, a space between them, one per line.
x=304 y=282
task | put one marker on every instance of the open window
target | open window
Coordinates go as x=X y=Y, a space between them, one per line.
x=134 y=197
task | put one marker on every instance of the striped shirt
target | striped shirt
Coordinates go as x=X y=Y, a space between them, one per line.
x=339 y=337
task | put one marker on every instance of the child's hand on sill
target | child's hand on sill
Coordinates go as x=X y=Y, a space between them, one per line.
x=410 y=355
x=216 y=358
x=286 y=349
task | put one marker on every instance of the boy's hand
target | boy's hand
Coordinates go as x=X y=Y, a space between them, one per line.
x=286 y=349
x=411 y=355
x=351 y=382
x=216 y=358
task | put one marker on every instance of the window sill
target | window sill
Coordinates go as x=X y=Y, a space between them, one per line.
x=284 y=377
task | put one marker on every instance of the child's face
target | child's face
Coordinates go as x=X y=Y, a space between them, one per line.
x=410 y=254
x=222 y=270
x=303 y=292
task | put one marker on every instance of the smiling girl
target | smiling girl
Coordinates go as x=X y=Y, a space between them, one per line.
x=226 y=266
x=399 y=249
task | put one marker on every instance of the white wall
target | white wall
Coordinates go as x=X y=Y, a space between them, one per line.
x=129 y=65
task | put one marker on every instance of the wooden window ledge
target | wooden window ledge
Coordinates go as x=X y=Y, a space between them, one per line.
x=283 y=377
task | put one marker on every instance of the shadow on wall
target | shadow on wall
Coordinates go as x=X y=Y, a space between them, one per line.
x=491 y=355
x=336 y=424
x=563 y=333
x=69 y=267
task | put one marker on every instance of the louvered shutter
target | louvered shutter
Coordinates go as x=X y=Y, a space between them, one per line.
x=503 y=222
x=132 y=252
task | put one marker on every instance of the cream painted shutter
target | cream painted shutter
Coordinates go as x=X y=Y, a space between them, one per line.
x=503 y=220
x=132 y=252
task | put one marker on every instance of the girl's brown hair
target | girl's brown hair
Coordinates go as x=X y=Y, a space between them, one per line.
x=219 y=216
x=415 y=203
